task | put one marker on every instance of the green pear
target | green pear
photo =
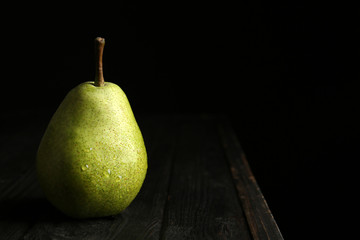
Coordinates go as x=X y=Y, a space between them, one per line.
x=92 y=160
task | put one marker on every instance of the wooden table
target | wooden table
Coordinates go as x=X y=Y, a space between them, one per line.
x=198 y=186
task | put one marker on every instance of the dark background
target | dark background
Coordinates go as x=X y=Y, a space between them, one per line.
x=282 y=72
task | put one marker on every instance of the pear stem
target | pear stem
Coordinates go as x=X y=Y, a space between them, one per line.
x=99 y=49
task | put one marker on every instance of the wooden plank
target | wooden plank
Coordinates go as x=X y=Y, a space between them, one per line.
x=143 y=218
x=260 y=220
x=202 y=202
x=15 y=209
x=198 y=186
x=21 y=201
x=18 y=188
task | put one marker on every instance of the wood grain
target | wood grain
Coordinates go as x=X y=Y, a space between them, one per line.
x=19 y=192
x=260 y=220
x=202 y=202
x=198 y=186
x=143 y=218
x=146 y=214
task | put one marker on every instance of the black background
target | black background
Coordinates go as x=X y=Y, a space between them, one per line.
x=283 y=73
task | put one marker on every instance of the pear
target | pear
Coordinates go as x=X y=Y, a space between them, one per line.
x=92 y=160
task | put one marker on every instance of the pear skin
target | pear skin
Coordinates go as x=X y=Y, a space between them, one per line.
x=92 y=160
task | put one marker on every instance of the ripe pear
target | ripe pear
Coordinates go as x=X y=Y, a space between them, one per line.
x=92 y=160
